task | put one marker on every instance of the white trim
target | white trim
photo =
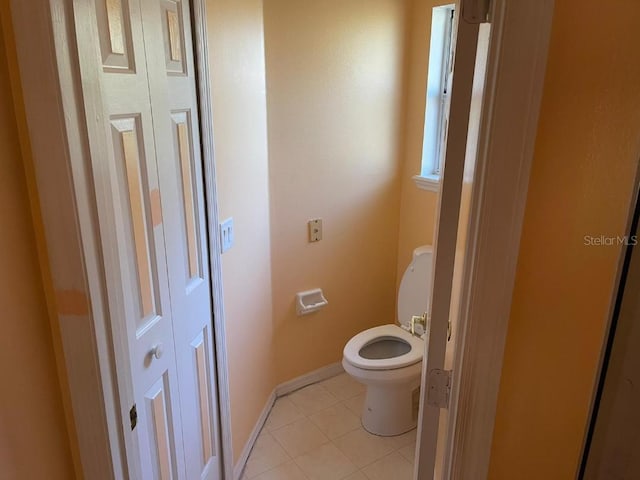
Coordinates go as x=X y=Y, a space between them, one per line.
x=238 y=470
x=213 y=220
x=309 y=378
x=515 y=78
x=436 y=112
x=57 y=127
x=58 y=140
x=430 y=183
x=445 y=240
x=281 y=390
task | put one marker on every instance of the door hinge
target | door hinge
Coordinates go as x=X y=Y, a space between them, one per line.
x=439 y=388
x=476 y=11
x=133 y=416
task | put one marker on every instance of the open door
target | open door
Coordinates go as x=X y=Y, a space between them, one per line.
x=472 y=36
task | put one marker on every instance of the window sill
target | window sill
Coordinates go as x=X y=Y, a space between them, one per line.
x=430 y=183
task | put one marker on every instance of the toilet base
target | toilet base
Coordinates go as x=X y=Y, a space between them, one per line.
x=392 y=399
x=390 y=411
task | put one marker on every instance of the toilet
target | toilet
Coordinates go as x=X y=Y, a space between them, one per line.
x=388 y=359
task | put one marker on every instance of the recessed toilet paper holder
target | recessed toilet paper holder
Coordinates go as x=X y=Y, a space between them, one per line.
x=310 y=301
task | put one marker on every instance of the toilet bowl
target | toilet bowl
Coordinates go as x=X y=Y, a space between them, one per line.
x=388 y=359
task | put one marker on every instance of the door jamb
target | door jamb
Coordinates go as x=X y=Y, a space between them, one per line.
x=56 y=128
x=201 y=44
x=513 y=93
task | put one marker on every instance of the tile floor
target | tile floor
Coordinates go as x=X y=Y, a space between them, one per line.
x=315 y=434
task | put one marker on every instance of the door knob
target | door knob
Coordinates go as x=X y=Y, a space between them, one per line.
x=157 y=350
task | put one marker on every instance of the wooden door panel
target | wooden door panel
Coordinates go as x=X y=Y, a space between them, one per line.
x=173 y=36
x=114 y=31
x=147 y=167
x=132 y=231
x=202 y=360
x=160 y=436
x=181 y=122
x=190 y=277
x=143 y=271
x=173 y=96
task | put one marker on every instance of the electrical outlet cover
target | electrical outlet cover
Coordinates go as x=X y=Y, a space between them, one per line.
x=315 y=230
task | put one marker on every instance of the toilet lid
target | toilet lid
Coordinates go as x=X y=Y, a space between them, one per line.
x=353 y=347
x=414 y=293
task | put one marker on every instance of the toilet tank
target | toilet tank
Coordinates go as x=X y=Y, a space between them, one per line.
x=414 y=293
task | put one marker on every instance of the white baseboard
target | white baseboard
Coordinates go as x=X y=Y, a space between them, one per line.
x=246 y=451
x=283 y=389
x=308 y=378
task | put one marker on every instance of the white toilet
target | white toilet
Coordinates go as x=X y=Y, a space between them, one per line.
x=388 y=359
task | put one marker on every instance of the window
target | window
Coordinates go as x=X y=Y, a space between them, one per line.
x=436 y=118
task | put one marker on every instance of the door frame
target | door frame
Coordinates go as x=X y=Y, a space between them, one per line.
x=516 y=66
x=54 y=140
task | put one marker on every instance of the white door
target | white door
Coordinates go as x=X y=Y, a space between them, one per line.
x=138 y=74
x=471 y=48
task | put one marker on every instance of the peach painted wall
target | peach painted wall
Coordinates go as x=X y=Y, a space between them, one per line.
x=240 y=132
x=34 y=442
x=417 y=207
x=586 y=156
x=334 y=93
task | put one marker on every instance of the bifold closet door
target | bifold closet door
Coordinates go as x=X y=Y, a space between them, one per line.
x=138 y=82
x=172 y=86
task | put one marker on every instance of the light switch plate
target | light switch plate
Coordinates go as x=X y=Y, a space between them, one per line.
x=315 y=230
x=226 y=234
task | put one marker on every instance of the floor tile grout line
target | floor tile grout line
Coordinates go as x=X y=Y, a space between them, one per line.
x=305 y=414
x=342 y=478
x=289 y=457
x=311 y=421
x=385 y=456
x=300 y=466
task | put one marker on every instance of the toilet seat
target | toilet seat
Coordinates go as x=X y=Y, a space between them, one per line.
x=353 y=347
x=388 y=359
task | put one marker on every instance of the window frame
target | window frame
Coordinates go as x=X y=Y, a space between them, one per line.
x=438 y=88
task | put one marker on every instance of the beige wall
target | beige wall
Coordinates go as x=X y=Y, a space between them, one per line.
x=240 y=132
x=417 y=207
x=586 y=155
x=334 y=91
x=33 y=436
